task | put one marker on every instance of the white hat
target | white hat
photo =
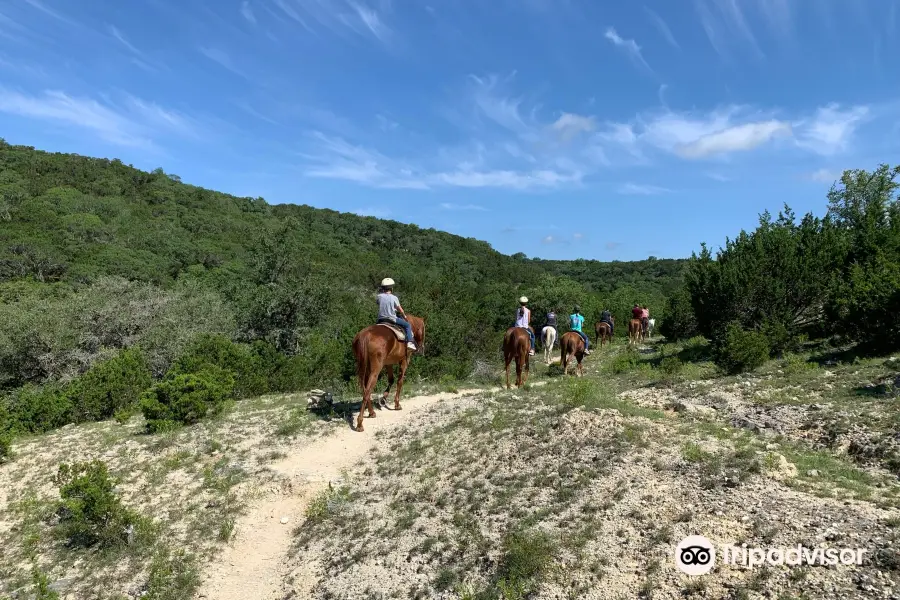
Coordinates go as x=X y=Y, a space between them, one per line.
x=523 y=300
x=387 y=282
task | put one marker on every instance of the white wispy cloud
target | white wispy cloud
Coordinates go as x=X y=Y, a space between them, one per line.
x=222 y=59
x=637 y=189
x=511 y=146
x=452 y=206
x=729 y=25
x=549 y=239
x=778 y=15
x=372 y=21
x=379 y=213
x=247 y=12
x=577 y=235
x=825 y=176
x=830 y=130
x=718 y=177
x=569 y=125
x=612 y=245
x=139 y=58
x=630 y=47
x=662 y=27
x=734 y=139
x=135 y=125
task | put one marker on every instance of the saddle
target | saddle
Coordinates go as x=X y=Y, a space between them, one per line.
x=398 y=331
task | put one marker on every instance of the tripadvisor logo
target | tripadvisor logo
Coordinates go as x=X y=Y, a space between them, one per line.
x=696 y=555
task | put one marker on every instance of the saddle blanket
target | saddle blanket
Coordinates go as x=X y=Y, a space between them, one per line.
x=398 y=331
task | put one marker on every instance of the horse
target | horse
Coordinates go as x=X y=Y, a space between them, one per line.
x=635 y=332
x=548 y=340
x=603 y=333
x=571 y=344
x=516 y=345
x=650 y=325
x=377 y=347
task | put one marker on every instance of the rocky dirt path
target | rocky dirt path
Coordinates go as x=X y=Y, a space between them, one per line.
x=252 y=566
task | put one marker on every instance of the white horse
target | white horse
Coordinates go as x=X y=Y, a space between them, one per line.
x=650 y=325
x=548 y=340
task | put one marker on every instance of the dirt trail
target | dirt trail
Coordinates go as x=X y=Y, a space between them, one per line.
x=251 y=567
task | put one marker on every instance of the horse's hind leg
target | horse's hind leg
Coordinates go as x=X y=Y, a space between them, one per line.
x=367 y=398
x=390 y=378
x=400 y=380
x=508 y=359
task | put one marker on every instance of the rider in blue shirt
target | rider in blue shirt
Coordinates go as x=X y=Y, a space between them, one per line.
x=576 y=321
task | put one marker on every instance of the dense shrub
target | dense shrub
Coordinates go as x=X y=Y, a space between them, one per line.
x=740 y=350
x=5 y=447
x=110 y=385
x=184 y=399
x=245 y=366
x=678 y=320
x=670 y=367
x=36 y=409
x=90 y=512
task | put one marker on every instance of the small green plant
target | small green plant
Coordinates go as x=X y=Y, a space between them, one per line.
x=186 y=398
x=793 y=364
x=173 y=576
x=625 y=361
x=670 y=367
x=740 y=350
x=90 y=512
x=41 y=583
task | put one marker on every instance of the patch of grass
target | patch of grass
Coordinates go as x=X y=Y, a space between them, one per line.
x=173 y=576
x=299 y=421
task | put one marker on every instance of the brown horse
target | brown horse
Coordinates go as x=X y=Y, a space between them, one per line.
x=603 y=334
x=635 y=331
x=571 y=345
x=516 y=345
x=376 y=347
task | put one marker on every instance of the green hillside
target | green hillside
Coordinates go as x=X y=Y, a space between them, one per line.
x=97 y=256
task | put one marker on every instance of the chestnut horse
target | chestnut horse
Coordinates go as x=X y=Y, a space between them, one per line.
x=603 y=334
x=516 y=345
x=571 y=345
x=635 y=331
x=376 y=347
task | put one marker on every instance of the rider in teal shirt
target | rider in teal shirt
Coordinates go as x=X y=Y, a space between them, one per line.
x=576 y=321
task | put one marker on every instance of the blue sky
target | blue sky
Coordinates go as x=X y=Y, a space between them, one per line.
x=561 y=129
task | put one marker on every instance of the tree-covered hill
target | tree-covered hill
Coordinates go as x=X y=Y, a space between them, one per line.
x=97 y=257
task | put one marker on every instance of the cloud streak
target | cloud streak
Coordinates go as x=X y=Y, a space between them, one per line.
x=512 y=147
x=630 y=47
x=452 y=206
x=636 y=189
x=133 y=127
x=247 y=12
x=662 y=27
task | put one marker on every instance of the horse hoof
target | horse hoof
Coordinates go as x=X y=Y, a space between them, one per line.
x=398 y=407
x=371 y=414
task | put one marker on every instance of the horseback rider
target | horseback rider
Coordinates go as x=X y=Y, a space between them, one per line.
x=551 y=319
x=389 y=306
x=576 y=321
x=637 y=312
x=606 y=317
x=523 y=320
x=645 y=319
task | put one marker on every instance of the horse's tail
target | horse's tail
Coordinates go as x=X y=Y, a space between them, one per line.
x=362 y=359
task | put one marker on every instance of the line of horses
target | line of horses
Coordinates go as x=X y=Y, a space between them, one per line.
x=383 y=346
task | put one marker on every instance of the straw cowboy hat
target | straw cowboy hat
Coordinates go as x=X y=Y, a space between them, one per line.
x=387 y=282
x=523 y=300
